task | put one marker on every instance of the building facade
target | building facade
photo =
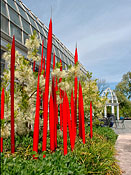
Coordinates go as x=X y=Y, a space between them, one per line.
x=18 y=20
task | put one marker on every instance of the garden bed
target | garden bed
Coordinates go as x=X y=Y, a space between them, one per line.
x=94 y=157
x=127 y=118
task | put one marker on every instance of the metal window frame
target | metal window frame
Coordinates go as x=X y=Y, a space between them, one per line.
x=18 y=28
x=8 y=23
x=17 y=14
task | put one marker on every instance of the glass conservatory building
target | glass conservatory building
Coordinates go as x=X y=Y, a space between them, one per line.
x=18 y=20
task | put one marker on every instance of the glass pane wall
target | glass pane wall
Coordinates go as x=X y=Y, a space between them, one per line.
x=3 y=8
x=32 y=22
x=25 y=36
x=26 y=26
x=14 y=17
x=16 y=31
x=11 y=3
x=2 y=62
x=23 y=13
x=23 y=22
x=4 y=24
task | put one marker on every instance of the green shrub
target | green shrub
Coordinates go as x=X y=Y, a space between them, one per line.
x=94 y=157
x=98 y=153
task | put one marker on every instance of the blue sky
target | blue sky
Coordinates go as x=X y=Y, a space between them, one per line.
x=101 y=28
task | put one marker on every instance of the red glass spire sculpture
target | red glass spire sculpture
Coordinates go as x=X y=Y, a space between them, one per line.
x=45 y=114
x=55 y=104
x=12 y=95
x=64 y=126
x=2 y=117
x=61 y=105
x=52 y=124
x=42 y=56
x=36 y=124
x=75 y=90
x=91 y=130
x=81 y=114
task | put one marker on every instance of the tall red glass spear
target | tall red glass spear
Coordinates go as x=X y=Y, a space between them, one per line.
x=54 y=103
x=12 y=94
x=2 y=117
x=82 y=113
x=64 y=126
x=36 y=124
x=52 y=124
x=45 y=114
x=75 y=90
x=73 y=119
x=61 y=105
x=69 y=121
x=91 y=130
x=42 y=55
x=34 y=66
x=80 y=123
x=44 y=77
x=40 y=69
x=44 y=67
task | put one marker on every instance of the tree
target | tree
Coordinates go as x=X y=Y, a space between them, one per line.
x=125 y=85
x=102 y=85
x=91 y=93
x=123 y=92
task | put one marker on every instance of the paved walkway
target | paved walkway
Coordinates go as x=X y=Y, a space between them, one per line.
x=123 y=147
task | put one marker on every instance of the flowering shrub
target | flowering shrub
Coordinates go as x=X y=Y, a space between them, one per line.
x=26 y=87
x=67 y=79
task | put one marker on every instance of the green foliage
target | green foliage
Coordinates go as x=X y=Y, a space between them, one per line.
x=106 y=132
x=125 y=85
x=94 y=157
x=97 y=154
x=58 y=65
x=97 y=122
x=34 y=35
x=91 y=93
x=123 y=92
